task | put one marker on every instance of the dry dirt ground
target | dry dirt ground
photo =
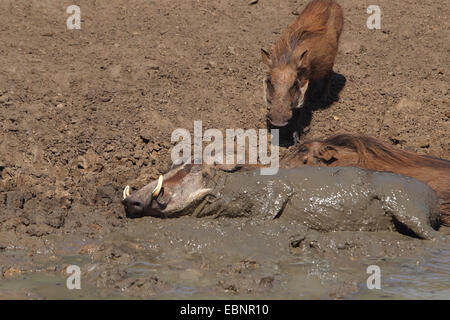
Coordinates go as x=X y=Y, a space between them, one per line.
x=85 y=112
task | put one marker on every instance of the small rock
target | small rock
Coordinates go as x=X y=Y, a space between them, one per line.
x=422 y=142
x=152 y=66
x=15 y=200
x=2 y=198
x=88 y=249
x=11 y=272
x=147 y=135
x=95 y=227
x=109 y=148
x=210 y=65
x=266 y=282
x=105 y=194
x=296 y=240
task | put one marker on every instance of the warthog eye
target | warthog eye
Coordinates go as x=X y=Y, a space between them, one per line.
x=269 y=85
x=303 y=149
x=294 y=88
x=161 y=200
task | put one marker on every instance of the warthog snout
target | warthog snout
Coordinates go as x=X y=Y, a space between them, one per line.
x=279 y=119
x=140 y=203
x=133 y=208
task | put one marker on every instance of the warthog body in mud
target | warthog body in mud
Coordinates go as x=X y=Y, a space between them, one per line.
x=324 y=199
x=369 y=153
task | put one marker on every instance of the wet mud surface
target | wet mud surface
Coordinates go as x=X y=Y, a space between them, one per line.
x=85 y=113
x=191 y=257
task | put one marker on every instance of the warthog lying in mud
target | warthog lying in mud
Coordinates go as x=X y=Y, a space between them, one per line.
x=369 y=153
x=302 y=60
x=325 y=199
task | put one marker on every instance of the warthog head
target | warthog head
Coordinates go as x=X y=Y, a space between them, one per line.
x=285 y=87
x=170 y=195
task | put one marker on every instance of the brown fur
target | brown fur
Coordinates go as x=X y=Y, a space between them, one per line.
x=304 y=53
x=369 y=153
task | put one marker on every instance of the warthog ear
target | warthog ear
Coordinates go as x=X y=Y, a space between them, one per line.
x=302 y=59
x=266 y=57
x=328 y=154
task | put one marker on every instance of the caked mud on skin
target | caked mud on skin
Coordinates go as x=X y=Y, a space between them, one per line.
x=369 y=153
x=323 y=199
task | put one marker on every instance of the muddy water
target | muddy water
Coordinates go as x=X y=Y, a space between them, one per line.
x=194 y=258
x=415 y=278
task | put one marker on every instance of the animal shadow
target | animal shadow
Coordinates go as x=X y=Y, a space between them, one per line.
x=301 y=119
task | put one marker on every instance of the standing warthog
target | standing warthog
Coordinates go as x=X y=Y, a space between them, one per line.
x=325 y=199
x=370 y=153
x=302 y=59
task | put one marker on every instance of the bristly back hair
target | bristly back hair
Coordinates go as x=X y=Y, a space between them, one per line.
x=314 y=22
x=364 y=145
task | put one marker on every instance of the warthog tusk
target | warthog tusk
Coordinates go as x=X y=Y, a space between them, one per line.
x=126 y=192
x=157 y=190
